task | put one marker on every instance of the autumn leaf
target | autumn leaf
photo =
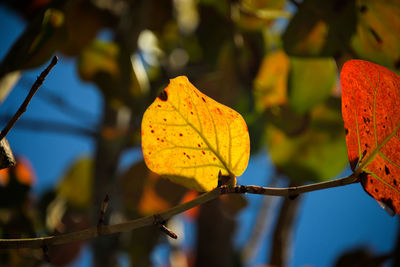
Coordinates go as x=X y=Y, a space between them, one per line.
x=270 y=84
x=371 y=114
x=190 y=138
x=378 y=29
x=145 y=192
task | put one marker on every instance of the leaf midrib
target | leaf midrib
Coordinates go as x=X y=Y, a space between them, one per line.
x=364 y=163
x=225 y=165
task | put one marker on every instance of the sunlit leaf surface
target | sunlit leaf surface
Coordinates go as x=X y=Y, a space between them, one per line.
x=190 y=138
x=371 y=114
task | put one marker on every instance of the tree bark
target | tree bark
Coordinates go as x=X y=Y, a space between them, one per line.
x=282 y=238
x=214 y=236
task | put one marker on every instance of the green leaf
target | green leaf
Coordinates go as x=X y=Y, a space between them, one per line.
x=76 y=184
x=311 y=81
x=378 y=32
x=315 y=153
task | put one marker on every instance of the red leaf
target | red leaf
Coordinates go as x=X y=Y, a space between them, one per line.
x=371 y=114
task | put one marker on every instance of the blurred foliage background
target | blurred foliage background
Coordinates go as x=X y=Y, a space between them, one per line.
x=275 y=61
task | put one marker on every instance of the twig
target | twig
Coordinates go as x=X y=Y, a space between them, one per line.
x=39 y=81
x=149 y=220
x=158 y=220
x=103 y=210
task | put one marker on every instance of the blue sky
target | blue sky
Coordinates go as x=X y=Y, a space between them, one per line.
x=329 y=222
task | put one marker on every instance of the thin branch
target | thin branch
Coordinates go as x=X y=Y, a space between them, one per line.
x=92 y=232
x=39 y=81
x=103 y=210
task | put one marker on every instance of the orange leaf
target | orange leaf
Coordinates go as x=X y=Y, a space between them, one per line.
x=371 y=114
x=189 y=137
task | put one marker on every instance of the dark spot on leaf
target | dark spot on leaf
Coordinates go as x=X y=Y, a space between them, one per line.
x=188 y=156
x=158 y=139
x=203 y=99
x=364 y=153
x=150 y=126
x=366 y=145
x=378 y=39
x=385 y=117
x=219 y=111
x=149 y=153
x=346 y=131
x=198 y=145
x=163 y=129
x=387 y=170
x=165 y=119
x=159 y=106
x=162 y=140
x=376 y=190
x=394 y=182
x=184 y=153
x=363 y=9
x=371 y=180
x=345 y=106
x=365 y=110
x=191 y=112
x=366 y=120
x=203 y=152
x=163 y=96
x=152 y=131
x=214 y=158
x=367 y=131
x=384 y=126
x=180 y=134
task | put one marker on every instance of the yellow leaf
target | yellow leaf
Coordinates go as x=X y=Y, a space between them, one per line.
x=270 y=85
x=189 y=137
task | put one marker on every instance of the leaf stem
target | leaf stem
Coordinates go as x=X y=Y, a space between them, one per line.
x=93 y=232
x=39 y=81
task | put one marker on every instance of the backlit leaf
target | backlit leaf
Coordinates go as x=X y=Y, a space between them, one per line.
x=371 y=114
x=190 y=138
x=311 y=81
